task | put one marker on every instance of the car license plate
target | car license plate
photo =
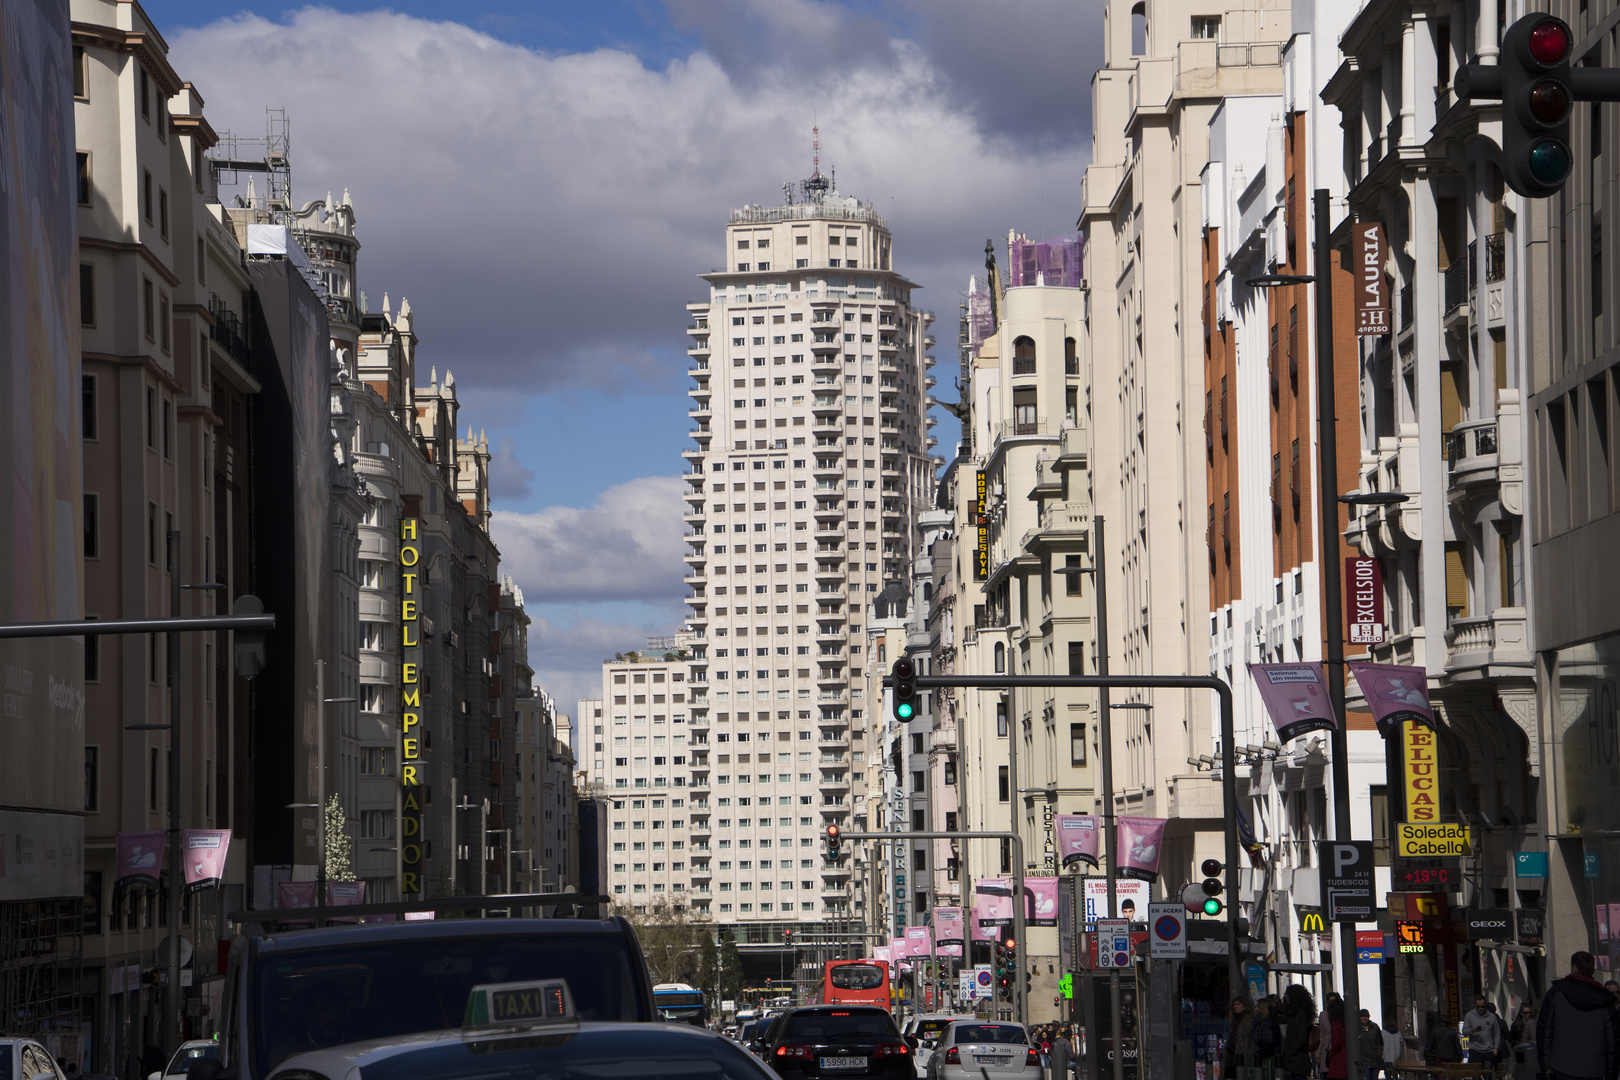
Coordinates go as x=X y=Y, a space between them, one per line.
x=843 y=1063
x=990 y=1059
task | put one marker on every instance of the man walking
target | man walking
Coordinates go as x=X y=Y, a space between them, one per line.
x=1575 y=1034
x=1479 y=1033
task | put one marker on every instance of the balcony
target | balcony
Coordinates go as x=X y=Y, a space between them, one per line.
x=1405 y=649
x=1064 y=526
x=1048 y=484
x=1499 y=638
x=1481 y=454
x=1074 y=447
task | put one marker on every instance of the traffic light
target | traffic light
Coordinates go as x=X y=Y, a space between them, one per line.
x=250 y=651
x=1212 y=886
x=834 y=842
x=905 y=690
x=1537 y=88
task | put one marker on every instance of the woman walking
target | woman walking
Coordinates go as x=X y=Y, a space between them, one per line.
x=1299 y=1024
x=1239 y=1056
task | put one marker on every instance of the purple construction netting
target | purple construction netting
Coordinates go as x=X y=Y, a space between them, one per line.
x=980 y=324
x=1058 y=260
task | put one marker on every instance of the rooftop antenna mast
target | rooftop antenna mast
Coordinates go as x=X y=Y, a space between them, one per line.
x=817 y=185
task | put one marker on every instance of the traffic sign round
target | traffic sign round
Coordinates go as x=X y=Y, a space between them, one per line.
x=984 y=978
x=1168 y=927
x=1122 y=960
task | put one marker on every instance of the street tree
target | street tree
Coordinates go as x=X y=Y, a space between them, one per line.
x=669 y=938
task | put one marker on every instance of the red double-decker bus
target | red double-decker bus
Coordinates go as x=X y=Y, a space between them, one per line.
x=855 y=982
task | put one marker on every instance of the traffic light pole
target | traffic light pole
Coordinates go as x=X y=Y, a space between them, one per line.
x=1126 y=682
x=1105 y=764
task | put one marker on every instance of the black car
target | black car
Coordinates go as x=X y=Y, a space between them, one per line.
x=829 y=1041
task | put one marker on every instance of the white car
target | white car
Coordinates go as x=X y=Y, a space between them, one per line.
x=926 y=1028
x=984 y=1050
x=190 y=1052
x=25 y=1059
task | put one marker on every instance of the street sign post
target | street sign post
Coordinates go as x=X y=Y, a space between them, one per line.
x=1347 y=880
x=1113 y=943
x=1167 y=931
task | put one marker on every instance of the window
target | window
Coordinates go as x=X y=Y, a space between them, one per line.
x=168 y=428
x=202 y=263
x=374 y=761
x=146 y=196
x=92 y=526
x=87 y=295
x=163 y=213
x=83 y=160
x=1071 y=575
x=1001 y=784
x=1001 y=658
x=1206 y=27
x=152 y=779
x=1024 y=356
x=950 y=774
x=151 y=533
x=148 y=308
x=146 y=95
x=1077 y=658
x=163 y=322
x=92 y=656
x=1001 y=718
x=918 y=781
x=92 y=778
x=376 y=824
x=1077 y=744
x=81 y=74
x=87 y=406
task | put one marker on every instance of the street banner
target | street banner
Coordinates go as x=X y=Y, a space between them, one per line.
x=980 y=911
x=882 y=953
x=919 y=940
x=1130 y=899
x=1364 y=599
x=1395 y=693
x=1078 y=838
x=295 y=894
x=1246 y=838
x=1296 y=698
x=1372 y=290
x=1040 y=901
x=204 y=851
x=1140 y=843
x=948 y=930
x=139 y=858
x=344 y=894
x=992 y=903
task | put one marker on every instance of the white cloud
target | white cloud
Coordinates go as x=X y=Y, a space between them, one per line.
x=567 y=655
x=546 y=213
x=628 y=546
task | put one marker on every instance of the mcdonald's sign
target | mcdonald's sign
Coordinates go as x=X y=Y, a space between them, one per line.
x=1310 y=920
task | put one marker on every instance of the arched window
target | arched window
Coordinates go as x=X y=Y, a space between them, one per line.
x=1139 y=30
x=1001 y=658
x=1024 y=356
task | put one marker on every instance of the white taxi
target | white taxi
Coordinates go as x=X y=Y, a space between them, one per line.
x=983 y=1050
x=530 y=1031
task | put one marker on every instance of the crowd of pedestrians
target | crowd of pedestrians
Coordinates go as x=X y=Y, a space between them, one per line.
x=1575 y=1032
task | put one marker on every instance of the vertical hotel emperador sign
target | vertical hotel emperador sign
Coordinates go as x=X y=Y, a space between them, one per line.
x=981 y=520
x=411 y=765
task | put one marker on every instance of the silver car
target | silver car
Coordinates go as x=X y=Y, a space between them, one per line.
x=984 y=1050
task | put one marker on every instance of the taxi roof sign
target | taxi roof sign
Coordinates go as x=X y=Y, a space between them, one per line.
x=519 y=1004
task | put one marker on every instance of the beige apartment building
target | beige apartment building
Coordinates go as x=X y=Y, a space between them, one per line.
x=545 y=841
x=1021 y=495
x=1163 y=76
x=810 y=397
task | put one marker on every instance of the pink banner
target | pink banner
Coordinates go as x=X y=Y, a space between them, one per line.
x=1041 y=901
x=1078 y=836
x=1141 y=842
x=1395 y=694
x=919 y=940
x=898 y=949
x=139 y=858
x=204 y=852
x=295 y=894
x=992 y=904
x=948 y=930
x=1295 y=696
x=345 y=894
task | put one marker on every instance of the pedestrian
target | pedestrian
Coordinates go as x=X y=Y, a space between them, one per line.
x=1267 y=1034
x=1299 y=1033
x=1337 y=1041
x=1441 y=1045
x=1504 y=1041
x=1324 y=1041
x=1372 y=1047
x=1614 y=988
x=1238 y=1055
x=1479 y=1031
x=1394 y=1047
x=1524 y=1027
x=1575 y=1033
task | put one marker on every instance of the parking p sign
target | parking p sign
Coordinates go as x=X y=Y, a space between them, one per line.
x=1167 y=931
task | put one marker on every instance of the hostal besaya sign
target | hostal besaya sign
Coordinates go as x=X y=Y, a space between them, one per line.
x=411 y=768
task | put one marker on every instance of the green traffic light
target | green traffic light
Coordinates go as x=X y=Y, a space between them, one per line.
x=1212 y=906
x=1550 y=161
x=903 y=710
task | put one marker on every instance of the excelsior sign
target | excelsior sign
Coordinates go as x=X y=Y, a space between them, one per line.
x=1364 y=600
x=1415 y=840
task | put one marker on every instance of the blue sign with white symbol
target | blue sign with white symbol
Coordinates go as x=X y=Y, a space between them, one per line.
x=1530 y=864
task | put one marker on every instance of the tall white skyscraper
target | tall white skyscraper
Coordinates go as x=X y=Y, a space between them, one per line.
x=811 y=464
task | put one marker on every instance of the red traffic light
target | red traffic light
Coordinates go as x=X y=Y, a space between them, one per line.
x=1211 y=867
x=832 y=833
x=1549 y=41
x=1011 y=944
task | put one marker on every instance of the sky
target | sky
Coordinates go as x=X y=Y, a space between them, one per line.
x=543 y=180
